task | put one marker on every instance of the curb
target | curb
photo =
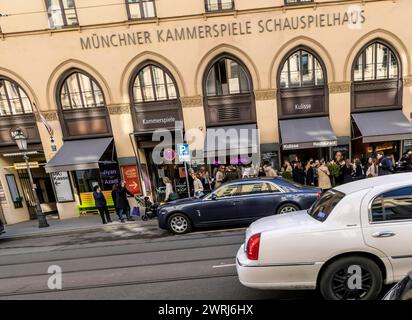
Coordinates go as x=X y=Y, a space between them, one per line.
x=65 y=231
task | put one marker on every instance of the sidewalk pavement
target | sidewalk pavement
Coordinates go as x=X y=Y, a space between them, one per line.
x=31 y=228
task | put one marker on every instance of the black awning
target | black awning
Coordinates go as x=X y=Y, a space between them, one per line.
x=307 y=133
x=79 y=155
x=383 y=126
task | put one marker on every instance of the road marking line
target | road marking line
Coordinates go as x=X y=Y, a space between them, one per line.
x=217 y=231
x=224 y=265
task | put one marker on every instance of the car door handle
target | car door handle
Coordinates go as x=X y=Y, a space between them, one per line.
x=383 y=234
x=236 y=202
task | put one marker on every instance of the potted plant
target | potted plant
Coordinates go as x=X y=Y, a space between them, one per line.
x=334 y=170
x=287 y=175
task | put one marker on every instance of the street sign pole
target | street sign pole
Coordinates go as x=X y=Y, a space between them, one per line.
x=39 y=212
x=187 y=179
x=184 y=156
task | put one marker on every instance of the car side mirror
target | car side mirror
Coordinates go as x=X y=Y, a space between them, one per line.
x=214 y=196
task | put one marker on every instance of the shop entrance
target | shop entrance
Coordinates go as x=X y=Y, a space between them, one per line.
x=304 y=155
x=365 y=150
x=44 y=191
x=175 y=172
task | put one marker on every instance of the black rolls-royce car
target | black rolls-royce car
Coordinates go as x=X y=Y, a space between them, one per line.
x=236 y=203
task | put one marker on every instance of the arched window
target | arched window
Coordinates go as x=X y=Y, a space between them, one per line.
x=228 y=92
x=301 y=69
x=376 y=62
x=80 y=91
x=227 y=77
x=13 y=99
x=153 y=84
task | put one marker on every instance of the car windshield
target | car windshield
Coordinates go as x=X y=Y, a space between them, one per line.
x=322 y=208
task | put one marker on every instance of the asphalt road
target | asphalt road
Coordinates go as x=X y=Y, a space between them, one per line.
x=129 y=262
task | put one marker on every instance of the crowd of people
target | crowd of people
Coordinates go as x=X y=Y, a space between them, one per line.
x=317 y=173
x=339 y=170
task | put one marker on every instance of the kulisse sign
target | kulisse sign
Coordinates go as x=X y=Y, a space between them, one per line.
x=353 y=17
x=308 y=145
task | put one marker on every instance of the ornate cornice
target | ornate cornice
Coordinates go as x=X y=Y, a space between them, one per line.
x=267 y=94
x=407 y=81
x=118 y=109
x=339 y=87
x=49 y=115
x=191 y=102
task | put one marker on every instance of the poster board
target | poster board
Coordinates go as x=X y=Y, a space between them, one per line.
x=62 y=187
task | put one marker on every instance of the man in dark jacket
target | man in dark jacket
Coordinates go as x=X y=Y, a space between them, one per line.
x=122 y=204
x=101 y=205
x=385 y=166
x=299 y=173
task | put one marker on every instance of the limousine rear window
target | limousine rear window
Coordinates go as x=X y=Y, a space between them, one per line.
x=322 y=208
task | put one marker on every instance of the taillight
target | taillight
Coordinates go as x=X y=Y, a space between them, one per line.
x=252 y=248
x=318 y=195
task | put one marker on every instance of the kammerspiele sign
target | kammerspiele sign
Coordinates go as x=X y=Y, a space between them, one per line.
x=354 y=17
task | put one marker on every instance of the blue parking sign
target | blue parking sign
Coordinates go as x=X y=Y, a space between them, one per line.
x=183 y=152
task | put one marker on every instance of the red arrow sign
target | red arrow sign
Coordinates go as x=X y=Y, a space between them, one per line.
x=131 y=177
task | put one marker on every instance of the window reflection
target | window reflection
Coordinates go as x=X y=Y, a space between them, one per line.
x=376 y=62
x=153 y=84
x=141 y=9
x=301 y=69
x=80 y=91
x=227 y=77
x=13 y=100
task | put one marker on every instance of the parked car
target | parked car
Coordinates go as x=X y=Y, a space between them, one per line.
x=235 y=203
x=352 y=240
x=402 y=290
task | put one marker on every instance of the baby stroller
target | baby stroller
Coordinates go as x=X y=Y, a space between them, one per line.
x=150 y=209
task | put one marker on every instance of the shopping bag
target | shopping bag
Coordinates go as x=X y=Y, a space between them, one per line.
x=136 y=211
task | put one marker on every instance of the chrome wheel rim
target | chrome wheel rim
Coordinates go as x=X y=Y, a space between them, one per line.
x=179 y=224
x=342 y=290
x=287 y=209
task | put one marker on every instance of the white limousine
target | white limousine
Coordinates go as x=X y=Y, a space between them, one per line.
x=354 y=238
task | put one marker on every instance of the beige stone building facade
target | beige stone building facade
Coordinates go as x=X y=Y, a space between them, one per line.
x=106 y=73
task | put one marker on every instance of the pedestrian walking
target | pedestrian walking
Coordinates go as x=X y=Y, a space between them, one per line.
x=340 y=161
x=286 y=167
x=358 y=172
x=324 y=176
x=220 y=175
x=231 y=174
x=385 y=165
x=198 y=186
x=269 y=171
x=299 y=173
x=114 y=198
x=169 y=193
x=205 y=179
x=122 y=203
x=373 y=169
x=310 y=173
x=101 y=204
x=347 y=172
